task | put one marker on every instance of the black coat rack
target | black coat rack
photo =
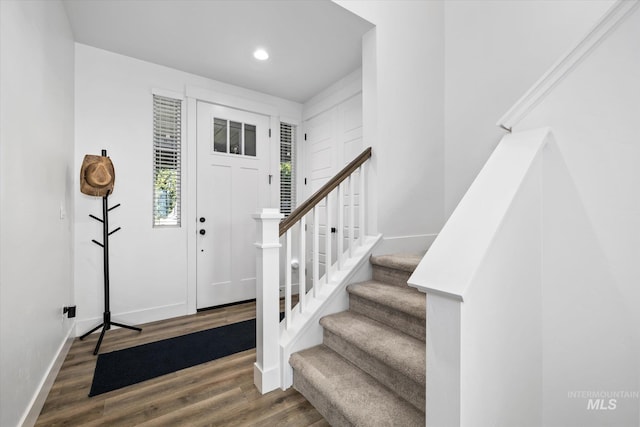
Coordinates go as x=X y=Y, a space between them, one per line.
x=106 y=315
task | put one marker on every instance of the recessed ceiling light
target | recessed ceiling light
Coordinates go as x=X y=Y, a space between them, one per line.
x=261 y=55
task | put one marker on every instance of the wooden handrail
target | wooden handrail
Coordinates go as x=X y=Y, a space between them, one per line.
x=317 y=197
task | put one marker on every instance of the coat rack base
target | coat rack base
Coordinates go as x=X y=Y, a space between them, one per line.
x=106 y=325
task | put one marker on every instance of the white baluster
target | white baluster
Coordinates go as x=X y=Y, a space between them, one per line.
x=316 y=251
x=340 y=236
x=302 y=276
x=327 y=241
x=352 y=216
x=287 y=282
x=361 y=206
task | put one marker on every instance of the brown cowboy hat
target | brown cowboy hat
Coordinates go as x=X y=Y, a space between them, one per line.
x=97 y=176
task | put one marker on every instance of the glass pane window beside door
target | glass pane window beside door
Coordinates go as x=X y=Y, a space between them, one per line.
x=167 y=136
x=234 y=137
x=287 y=168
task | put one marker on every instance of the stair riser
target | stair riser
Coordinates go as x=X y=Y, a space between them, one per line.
x=409 y=325
x=390 y=275
x=319 y=401
x=403 y=386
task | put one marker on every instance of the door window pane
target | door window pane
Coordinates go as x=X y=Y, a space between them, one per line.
x=220 y=135
x=235 y=138
x=249 y=140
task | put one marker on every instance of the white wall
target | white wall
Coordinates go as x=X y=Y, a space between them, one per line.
x=36 y=183
x=150 y=275
x=501 y=355
x=561 y=268
x=440 y=74
x=591 y=273
x=483 y=279
x=403 y=67
x=495 y=50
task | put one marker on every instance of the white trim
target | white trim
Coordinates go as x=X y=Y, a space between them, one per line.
x=136 y=317
x=34 y=408
x=274 y=161
x=568 y=62
x=443 y=367
x=291 y=120
x=435 y=290
x=406 y=244
x=328 y=104
x=167 y=93
x=190 y=207
x=345 y=88
x=271 y=214
x=267 y=245
x=266 y=379
x=295 y=288
x=231 y=101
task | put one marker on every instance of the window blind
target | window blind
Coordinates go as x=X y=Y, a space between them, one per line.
x=287 y=168
x=167 y=135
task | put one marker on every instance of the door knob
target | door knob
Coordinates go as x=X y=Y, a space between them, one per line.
x=203 y=232
x=202 y=219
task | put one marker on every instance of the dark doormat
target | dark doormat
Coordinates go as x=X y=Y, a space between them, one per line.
x=136 y=364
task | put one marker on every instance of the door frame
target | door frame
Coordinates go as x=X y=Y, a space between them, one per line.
x=193 y=95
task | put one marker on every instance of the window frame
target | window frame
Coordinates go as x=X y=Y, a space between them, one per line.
x=180 y=153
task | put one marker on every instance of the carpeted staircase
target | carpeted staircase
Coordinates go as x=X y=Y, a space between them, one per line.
x=370 y=369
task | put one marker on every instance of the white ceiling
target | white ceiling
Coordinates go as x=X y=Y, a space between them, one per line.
x=311 y=43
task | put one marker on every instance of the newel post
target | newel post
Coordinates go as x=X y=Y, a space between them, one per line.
x=266 y=371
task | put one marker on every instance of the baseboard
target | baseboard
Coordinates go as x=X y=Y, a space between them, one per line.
x=35 y=406
x=294 y=289
x=135 y=317
x=405 y=244
x=266 y=380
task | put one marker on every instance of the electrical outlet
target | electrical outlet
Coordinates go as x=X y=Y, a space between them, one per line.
x=69 y=311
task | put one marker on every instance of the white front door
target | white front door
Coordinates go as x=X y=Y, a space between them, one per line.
x=233 y=183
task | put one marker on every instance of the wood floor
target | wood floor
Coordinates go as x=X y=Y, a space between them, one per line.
x=217 y=393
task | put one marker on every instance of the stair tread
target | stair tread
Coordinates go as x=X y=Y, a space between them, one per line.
x=358 y=396
x=404 y=262
x=386 y=344
x=404 y=299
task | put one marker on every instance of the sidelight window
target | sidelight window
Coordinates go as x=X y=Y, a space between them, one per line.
x=287 y=168
x=167 y=136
